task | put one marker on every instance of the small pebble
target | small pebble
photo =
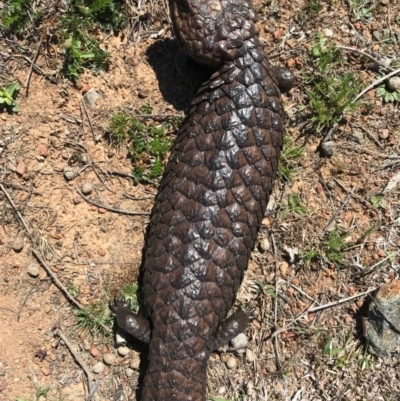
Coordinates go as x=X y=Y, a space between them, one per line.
x=123 y=351
x=331 y=184
x=284 y=267
x=45 y=370
x=394 y=83
x=77 y=199
x=348 y=319
x=384 y=134
x=18 y=244
x=249 y=356
x=264 y=244
x=382 y=253
x=222 y=390
x=231 y=362
x=87 y=188
x=328 y=148
x=109 y=358
x=129 y=372
x=134 y=363
x=239 y=343
x=90 y=98
x=42 y=150
x=120 y=337
x=68 y=173
x=101 y=252
x=33 y=270
x=98 y=367
x=94 y=352
x=358 y=136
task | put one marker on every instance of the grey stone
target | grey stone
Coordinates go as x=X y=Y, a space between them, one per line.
x=328 y=148
x=90 y=98
x=382 y=324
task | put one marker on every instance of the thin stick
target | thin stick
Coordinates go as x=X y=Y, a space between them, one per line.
x=366 y=55
x=360 y=198
x=332 y=304
x=37 y=69
x=370 y=136
x=28 y=80
x=56 y=280
x=77 y=357
x=90 y=120
x=336 y=214
x=16 y=210
x=377 y=82
x=111 y=209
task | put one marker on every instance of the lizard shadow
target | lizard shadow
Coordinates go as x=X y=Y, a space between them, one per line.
x=175 y=89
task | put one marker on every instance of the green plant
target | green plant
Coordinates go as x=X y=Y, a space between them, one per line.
x=289 y=156
x=82 y=52
x=148 y=144
x=313 y=6
x=378 y=201
x=362 y=8
x=40 y=392
x=95 y=319
x=72 y=290
x=332 y=248
x=130 y=293
x=387 y=94
x=292 y=206
x=331 y=93
x=339 y=354
x=8 y=95
x=17 y=15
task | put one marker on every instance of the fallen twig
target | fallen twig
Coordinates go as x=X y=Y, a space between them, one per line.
x=77 y=357
x=16 y=210
x=377 y=82
x=90 y=120
x=341 y=301
x=336 y=214
x=28 y=79
x=56 y=280
x=111 y=209
x=366 y=55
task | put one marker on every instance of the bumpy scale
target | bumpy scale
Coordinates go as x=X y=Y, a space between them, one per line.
x=210 y=203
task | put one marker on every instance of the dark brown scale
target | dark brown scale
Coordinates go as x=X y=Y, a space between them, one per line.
x=211 y=200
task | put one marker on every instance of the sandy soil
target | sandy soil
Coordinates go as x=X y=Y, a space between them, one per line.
x=94 y=251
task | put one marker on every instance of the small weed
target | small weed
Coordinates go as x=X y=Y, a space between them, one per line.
x=146 y=109
x=387 y=94
x=334 y=246
x=130 y=293
x=78 y=24
x=339 y=354
x=313 y=6
x=95 y=319
x=330 y=249
x=72 y=290
x=148 y=144
x=17 y=15
x=40 y=392
x=292 y=206
x=8 y=95
x=378 y=201
x=331 y=93
x=362 y=8
x=288 y=160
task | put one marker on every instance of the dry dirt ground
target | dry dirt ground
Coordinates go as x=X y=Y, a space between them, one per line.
x=293 y=354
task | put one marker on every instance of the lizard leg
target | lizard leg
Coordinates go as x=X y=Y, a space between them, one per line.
x=134 y=324
x=229 y=329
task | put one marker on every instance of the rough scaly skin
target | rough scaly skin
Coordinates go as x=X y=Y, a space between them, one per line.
x=210 y=203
